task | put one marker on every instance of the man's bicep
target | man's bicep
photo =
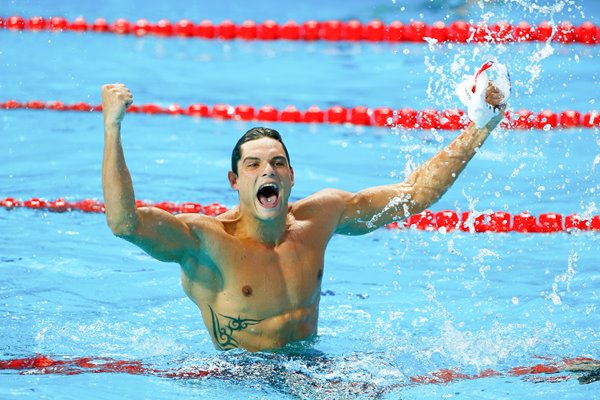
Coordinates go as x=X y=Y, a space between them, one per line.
x=162 y=235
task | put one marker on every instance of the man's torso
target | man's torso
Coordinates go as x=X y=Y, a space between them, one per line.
x=256 y=296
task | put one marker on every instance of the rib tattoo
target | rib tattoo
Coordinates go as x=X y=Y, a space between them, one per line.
x=224 y=334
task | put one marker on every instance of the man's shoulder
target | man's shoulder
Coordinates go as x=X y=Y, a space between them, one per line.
x=325 y=195
x=323 y=201
x=200 y=221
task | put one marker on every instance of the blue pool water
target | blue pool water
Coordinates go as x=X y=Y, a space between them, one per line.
x=396 y=304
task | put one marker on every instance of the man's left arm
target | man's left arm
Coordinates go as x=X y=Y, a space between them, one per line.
x=375 y=207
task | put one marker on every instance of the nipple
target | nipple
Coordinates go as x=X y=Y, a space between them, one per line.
x=320 y=274
x=247 y=291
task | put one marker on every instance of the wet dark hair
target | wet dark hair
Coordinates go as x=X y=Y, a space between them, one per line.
x=254 y=134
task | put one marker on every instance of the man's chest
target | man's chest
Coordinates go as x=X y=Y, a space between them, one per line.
x=288 y=276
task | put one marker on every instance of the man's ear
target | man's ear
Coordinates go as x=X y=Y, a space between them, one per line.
x=232 y=180
x=292 y=171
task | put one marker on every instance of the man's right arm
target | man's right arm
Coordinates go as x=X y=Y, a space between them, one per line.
x=157 y=232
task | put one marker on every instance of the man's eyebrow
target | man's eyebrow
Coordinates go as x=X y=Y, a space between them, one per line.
x=252 y=158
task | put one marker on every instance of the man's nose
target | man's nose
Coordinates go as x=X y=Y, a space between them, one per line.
x=268 y=171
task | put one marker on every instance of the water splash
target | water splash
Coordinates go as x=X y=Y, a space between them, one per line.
x=396 y=203
x=595 y=162
x=534 y=67
x=302 y=375
x=562 y=282
x=484 y=348
x=533 y=8
x=447 y=62
x=480 y=259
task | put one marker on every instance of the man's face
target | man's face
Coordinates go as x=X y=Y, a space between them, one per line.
x=264 y=179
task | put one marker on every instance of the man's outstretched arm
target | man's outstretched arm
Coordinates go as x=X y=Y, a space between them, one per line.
x=375 y=207
x=159 y=233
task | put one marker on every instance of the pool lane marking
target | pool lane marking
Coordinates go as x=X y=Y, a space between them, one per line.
x=444 y=221
x=405 y=118
x=331 y=30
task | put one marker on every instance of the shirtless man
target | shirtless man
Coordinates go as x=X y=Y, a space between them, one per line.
x=255 y=271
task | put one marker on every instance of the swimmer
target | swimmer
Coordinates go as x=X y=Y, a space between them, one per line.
x=255 y=272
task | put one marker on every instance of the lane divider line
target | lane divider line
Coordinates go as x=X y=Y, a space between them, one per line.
x=444 y=221
x=332 y=30
x=408 y=118
x=547 y=371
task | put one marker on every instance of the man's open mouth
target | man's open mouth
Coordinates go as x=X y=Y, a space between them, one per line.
x=268 y=195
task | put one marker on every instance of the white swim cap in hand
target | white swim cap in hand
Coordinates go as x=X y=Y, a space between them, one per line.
x=472 y=92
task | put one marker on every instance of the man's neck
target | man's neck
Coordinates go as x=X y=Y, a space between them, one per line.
x=269 y=233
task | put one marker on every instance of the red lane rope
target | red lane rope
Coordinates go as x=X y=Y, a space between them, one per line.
x=332 y=30
x=45 y=365
x=408 y=118
x=443 y=221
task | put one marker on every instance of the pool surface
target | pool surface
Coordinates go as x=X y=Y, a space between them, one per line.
x=404 y=313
